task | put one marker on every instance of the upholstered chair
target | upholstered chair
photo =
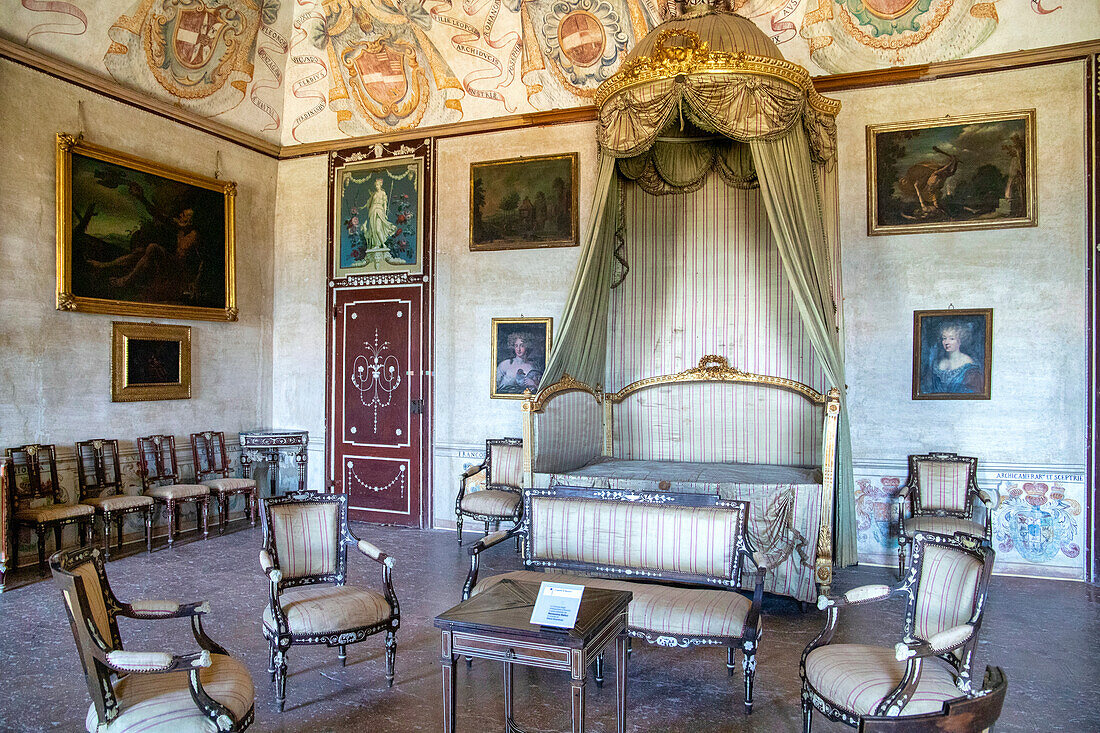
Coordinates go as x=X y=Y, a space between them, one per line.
x=944 y=590
x=38 y=502
x=160 y=478
x=212 y=469
x=501 y=497
x=304 y=556
x=152 y=690
x=977 y=711
x=942 y=490
x=100 y=482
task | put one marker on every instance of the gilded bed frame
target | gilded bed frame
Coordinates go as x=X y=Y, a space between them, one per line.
x=711 y=368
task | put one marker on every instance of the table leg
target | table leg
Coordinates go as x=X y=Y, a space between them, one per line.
x=509 y=709
x=620 y=680
x=577 y=703
x=448 y=663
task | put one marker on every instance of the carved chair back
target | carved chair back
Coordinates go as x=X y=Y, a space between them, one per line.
x=97 y=468
x=504 y=464
x=91 y=608
x=942 y=483
x=157 y=454
x=28 y=464
x=211 y=459
x=306 y=534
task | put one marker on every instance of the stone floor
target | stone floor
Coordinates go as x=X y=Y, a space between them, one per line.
x=1043 y=633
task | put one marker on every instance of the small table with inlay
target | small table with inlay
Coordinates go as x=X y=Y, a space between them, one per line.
x=496 y=625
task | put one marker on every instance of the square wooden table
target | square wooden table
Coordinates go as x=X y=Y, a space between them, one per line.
x=497 y=625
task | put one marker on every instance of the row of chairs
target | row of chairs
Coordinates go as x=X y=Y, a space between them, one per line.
x=39 y=503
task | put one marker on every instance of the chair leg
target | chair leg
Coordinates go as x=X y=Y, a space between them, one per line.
x=41 y=532
x=391 y=655
x=458 y=527
x=253 y=505
x=807 y=713
x=148 y=516
x=597 y=670
x=118 y=525
x=205 y=517
x=271 y=658
x=107 y=537
x=748 y=665
x=280 y=677
x=486 y=527
x=223 y=513
x=343 y=655
x=901 y=560
x=729 y=662
x=57 y=537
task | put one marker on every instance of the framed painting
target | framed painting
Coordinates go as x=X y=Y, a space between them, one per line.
x=524 y=203
x=138 y=238
x=952 y=354
x=971 y=172
x=520 y=346
x=377 y=213
x=150 y=361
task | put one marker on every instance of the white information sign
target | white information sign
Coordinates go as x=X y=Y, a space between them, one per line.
x=557 y=605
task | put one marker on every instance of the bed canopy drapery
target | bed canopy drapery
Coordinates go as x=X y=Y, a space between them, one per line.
x=709 y=92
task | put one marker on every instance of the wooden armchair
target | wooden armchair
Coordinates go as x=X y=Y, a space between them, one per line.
x=977 y=711
x=942 y=489
x=205 y=690
x=304 y=556
x=29 y=490
x=99 y=480
x=212 y=469
x=501 y=498
x=945 y=588
x=160 y=479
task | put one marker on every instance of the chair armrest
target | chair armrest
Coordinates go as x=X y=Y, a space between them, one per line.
x=941 y=643
x=479 y=547
x=374 y=553
x=151 y=610
x=155 y=662
x=268 y=566
x=984 y=498
x=473 y=470
x=858 y=596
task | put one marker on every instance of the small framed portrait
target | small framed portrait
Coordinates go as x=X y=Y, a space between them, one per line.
x=952 y=354
x=524 y=203
x=968 y=172
x=520 y=346
x=137 y=238
x=150 y=361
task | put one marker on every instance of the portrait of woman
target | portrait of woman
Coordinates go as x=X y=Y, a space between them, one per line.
x=952 y=354
x=519 y=355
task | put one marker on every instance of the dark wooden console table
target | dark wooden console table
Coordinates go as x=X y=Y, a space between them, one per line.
x=497 y=625
x=266 y=444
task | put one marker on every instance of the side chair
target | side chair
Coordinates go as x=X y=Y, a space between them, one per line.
x=160 y=478
x=100 y=482
x=945 y=592
x=212 y=469
x=37 y=501
x=942 y=489
x=156 y=690
x=304 y=555
x=501 y=498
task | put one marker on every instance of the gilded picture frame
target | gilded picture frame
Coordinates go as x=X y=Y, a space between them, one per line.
x=524 y=203
x=519 y=350
x=970 y=172
x=150 y=361
x=137 y=238
x=952 y=354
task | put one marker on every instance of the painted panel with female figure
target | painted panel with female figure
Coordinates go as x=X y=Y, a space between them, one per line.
x=952 y=354
x=520 y=346
x=377 y=209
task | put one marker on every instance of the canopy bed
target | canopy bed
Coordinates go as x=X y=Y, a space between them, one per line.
x=707 y=299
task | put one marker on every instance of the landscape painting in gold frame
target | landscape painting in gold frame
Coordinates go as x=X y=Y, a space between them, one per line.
x=137 y=238
x=150 y=361
x=950 y=174
x=524 y=203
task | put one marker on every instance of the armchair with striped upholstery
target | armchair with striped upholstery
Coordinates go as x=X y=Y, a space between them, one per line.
x=500 y=497
x=945 y=592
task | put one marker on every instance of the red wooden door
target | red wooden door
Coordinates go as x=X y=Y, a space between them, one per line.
x=377 y=419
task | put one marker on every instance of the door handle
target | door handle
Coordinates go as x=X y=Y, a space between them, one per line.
x=416 y=407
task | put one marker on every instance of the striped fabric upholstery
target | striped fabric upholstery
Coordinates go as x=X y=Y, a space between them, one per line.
x=857 y=677
x=53 y=512
x=93 y=591
x=943 y=525
x=568 y=432
x=693 y=540
x=943 y=485
x=948 y=582
x=323 y=609
x=230 y=484
x=119 y=502
x=162 y=702
x=178 y=491
x=506 y=464
x=659 y=609
x=306 y=537
x=491 y=502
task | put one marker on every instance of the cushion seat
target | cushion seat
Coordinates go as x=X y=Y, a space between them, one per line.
x=323 y=609
x=53 y=512
x=857 y=677
x=492 y=502
x=178 y=491
x=659 y=609
x=943 y=525
x=230 y=484
x=118 y=502
x=162 y=702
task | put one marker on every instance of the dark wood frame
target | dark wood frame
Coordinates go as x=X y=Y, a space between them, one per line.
x=281 y=639
x=574 y=237
x=958 y=656
x=749 y=644
x=122 y=390
x=208 y=449
x=162 y=449
x=487 y=466
x=987 y=355
x=100 y=485
x=81 y=515
x=99 y=673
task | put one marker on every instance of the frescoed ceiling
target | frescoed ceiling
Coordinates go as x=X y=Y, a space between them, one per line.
x=294 y=71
